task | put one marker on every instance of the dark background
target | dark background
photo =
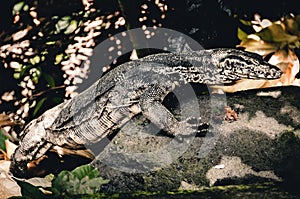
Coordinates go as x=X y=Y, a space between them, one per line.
x=212 y=23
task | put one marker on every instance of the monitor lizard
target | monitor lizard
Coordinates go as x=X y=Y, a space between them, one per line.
x=135 y=87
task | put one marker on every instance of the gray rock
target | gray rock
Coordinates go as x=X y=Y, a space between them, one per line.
x=262 y=145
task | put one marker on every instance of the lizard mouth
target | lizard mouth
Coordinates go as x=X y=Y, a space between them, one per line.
x=266 y=73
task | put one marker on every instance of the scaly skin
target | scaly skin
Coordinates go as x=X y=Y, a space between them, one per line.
x=132 y=88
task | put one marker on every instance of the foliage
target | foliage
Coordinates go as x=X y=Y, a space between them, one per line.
x=274 y=40
x=278 y=40
x=2 y=141
x=269 y=36
x=30 y=191
x=42 y=52
x=82 y=180
x=34 y=48
x=268 y=190
x=67 y=184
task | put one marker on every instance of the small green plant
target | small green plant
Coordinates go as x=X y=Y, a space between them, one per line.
x=81 y=181
x=2 y=141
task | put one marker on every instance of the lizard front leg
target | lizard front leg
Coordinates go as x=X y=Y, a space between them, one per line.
x=157 y=113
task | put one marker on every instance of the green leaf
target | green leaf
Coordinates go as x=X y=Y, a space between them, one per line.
x=30 y=191
x=17 y=7
x=2 y=141
x=82 y=180
x=50 y=42
x=85 y=170
x=39 y=105
x=17 y=75
x=63 y=23
x=66 y=18
x=65 y=183
x=57 y=100
x=50 y=177
x=24 y=68
x=50 y=80
x=19 y=68
x=246 y=23
x=72 y=27
x=35 y=79
x=58 y=58
x=35 y=60
x=241 y=34
x=91 y=186
x=266 y=35
x=26 y=8
x=35 y=74
x=275 y=33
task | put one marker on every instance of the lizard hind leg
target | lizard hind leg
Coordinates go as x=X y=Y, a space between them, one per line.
x=33 y=146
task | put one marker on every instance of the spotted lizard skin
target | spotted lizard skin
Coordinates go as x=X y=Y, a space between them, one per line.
x=135 y=87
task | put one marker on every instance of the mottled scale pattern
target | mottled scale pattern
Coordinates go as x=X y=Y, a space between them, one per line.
x=132 y=88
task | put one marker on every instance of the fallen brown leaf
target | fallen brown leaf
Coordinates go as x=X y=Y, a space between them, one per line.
x=8 y=187
x=10 y=149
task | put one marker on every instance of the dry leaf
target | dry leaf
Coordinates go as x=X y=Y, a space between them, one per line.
x=8 y=187
x=39 y=182
x=10 y=148
x=244 y=84
x=230 y=115
x=258 y=46
x=7 y=121
x=296 y=82
x=288 y=63
x=275 y=33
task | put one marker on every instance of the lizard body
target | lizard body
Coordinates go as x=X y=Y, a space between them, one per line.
x=132 y=88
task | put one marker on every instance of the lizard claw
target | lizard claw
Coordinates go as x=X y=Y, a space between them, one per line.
x=198 y=127
x=191 y=127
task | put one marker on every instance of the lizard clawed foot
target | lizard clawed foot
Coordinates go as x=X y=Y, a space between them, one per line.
x=191 y=127
x=198 y=127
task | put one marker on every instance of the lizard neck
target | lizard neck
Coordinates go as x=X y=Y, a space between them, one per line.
x=193 y=67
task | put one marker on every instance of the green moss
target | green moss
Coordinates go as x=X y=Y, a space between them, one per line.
x=266 y=190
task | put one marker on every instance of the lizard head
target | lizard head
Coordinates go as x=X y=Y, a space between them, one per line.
x=236 y=64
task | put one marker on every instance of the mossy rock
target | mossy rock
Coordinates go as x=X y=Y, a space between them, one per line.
x=261 y=146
